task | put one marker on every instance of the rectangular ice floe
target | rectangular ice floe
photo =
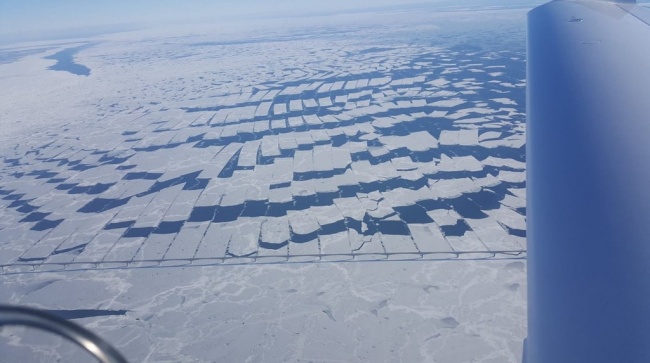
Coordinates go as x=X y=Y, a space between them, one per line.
x=439 y=82
x=508 y=217
x=444 y=217
x=282 y=170
x=155 y=247
x=492 y=234
x=519 y=192
x=416 y=141
x=351 y=208
x=487 y=181
x=134 y=208
x=449 y=103
x=504 y=101
x=261 y=126
x=158 y=206
x=429 y=239
x=512 y=176
x=248 y=154
x=404 y=197
x=100 y=245
x=85 y=230
x=459 y=163
x=279 y=108
x=501 y=162
x=325 y=102
x=274 y=238
x=513 y=141
x=40 y=251
x=472 y=121
x=378 y=151
x=350 y=85
x=187 y=240
x=302 y=189
x=303 y=161
x=368 y=246
x=377 y=206
x=312 y=120
x=240 y=183
x=244 y=242
x=211 y=194
x=513 y=201
x=319 y=136
x=452 y=188
x=287 y=141
x=323 y=158
x=367 y=173
x=220 y=161
x=303 y=223
x=340 y=158
x=216 y=239
x=295 y=105
x=275 y=232
x=303 y=139
x=270 y=145
x=324 y=88
x=341 y=99
x=182 y=207
x=295 y=121
x=21 y=238
x=459 y=137
x=337 y=244
x=277 y=124
x=329 y=218
x=468 y=242
x=125 y=249
x=337 y=86
x=398 y=244
x=271 y=94
x=374 y=82
x=404 y=164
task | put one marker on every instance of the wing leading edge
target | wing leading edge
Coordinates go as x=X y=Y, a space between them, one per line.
x=588 y=180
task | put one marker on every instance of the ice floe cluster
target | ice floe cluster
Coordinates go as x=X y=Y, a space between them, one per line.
x=278 y=148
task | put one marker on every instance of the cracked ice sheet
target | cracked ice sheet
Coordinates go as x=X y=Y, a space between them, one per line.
x=244 y=242
x=302 y=222
x=398 y=243
x=493 y=235
x=459 y=163
x=165 y=317
x=514 y=141
x=332 y=311
x=512 y=176
x=460 y=137
x=452 y=188
x=416 y=141
x=508 y=217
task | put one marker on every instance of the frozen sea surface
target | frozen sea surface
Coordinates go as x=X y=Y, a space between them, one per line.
x=343 y=190
x=445 y=311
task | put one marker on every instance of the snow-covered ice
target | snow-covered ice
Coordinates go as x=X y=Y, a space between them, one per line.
x=272 y=196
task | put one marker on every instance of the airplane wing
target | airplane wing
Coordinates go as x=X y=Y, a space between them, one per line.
x=588 y=182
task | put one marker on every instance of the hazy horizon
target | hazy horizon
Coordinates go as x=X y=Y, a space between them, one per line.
x=32 y=20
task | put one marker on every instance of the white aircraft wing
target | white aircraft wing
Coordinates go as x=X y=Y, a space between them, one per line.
x=588 y=182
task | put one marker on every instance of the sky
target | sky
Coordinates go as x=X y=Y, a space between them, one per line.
x=45 y=19
x=30 y=17
x=34 y=19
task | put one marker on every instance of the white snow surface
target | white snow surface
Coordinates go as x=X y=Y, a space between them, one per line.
x=258 y=195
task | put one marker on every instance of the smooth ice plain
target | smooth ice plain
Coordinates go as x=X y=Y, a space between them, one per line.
x=345 y=189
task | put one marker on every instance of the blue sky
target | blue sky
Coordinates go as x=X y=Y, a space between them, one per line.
x=34 y=19
x=31 y=17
